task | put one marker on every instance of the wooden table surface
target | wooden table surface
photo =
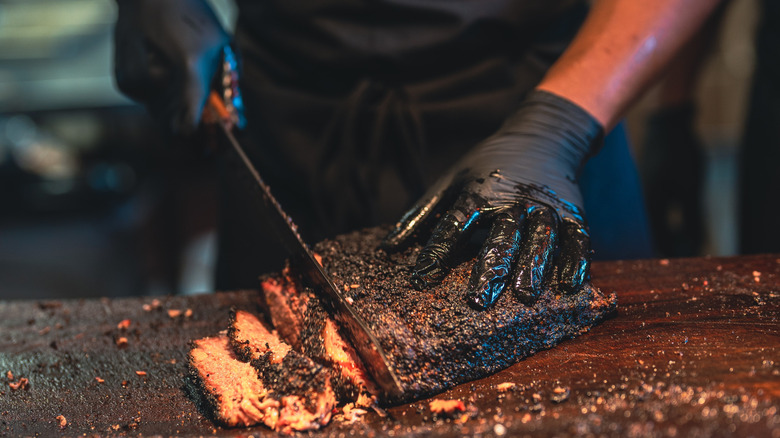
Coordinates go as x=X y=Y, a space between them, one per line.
x=694 y=350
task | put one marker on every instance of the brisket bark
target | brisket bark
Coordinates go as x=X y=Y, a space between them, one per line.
x=433 y=339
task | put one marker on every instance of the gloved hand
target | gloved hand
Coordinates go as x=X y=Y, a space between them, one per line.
x=523 y=182
x=673 y=172
x=166 y=54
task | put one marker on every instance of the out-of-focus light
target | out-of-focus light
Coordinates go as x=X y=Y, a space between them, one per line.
x=118 y=177
x=40 y=29
x=47 y=159
x=20 y=130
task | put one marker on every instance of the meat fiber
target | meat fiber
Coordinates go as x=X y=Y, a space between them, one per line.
x=234 y=393
x=251 y=377
x=318 y=337
x=308 y=397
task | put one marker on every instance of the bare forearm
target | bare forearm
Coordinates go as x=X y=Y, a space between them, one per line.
x=620 y=50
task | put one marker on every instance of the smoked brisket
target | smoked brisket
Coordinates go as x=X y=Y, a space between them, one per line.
x=433 y=339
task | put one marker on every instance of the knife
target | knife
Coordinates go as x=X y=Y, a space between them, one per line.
x=313 y=273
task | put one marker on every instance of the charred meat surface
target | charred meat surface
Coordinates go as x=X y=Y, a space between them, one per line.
x=308 y=398
x=433 y=338
x=319 y=338
x=232 y=389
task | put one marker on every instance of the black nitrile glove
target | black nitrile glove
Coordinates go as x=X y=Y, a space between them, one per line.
x=523 y=182
x=673 y=172
x=166 y=54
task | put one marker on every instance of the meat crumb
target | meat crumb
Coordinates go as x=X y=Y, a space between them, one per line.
x=23 y=383
x=506 y=386
x=141 y=373
x=446 y=406
x=354 y=286
x=121 y=342
x=123 y=324
x=99 y=380
x=154 y=305
x=188 y=313
x=62 y=420
x=174 y=313
x=9 y=375
x=351 y=413
x=560 y=394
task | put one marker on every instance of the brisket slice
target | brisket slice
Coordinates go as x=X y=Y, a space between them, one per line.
x=308 y=397
x=232 y=390
x=317 y=337
x=433 y=338
x=285 y=307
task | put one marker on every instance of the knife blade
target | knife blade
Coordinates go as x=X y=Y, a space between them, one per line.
x=313 y=273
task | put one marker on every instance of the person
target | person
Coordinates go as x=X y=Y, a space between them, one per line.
x=486 y=112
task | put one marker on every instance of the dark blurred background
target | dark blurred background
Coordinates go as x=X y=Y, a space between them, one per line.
x=94 y=203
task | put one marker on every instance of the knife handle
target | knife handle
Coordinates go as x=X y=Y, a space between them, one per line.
x=218 y=107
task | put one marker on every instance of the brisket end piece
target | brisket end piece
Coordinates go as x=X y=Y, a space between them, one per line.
x=319 y=338
x=433 y=339
x=307 y=397
x=234 y=393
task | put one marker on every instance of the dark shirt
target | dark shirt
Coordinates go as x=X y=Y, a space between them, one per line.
x=396 y=40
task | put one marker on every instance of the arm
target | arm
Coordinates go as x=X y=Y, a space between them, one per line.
x=522 y=181
x=620 y=50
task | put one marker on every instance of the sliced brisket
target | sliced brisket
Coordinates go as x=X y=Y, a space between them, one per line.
x=318 y=337
x=308 y=397
x=234 y=393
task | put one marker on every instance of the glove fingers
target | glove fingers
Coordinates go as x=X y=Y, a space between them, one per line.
x=410 y=222
x=495 y=261
x=574 y=256
x=536 y=254
x=432 y=262
x=418 y=216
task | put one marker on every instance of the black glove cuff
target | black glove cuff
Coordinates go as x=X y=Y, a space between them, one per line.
x=558 y=119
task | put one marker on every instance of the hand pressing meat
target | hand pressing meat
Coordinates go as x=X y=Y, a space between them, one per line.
x=522 y=183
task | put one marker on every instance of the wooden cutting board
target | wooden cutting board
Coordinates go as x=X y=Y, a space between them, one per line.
x=693 y=350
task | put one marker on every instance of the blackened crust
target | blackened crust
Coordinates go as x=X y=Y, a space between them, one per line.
x=433 y=338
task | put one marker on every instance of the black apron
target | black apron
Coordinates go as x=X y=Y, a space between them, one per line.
x=354 y=107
